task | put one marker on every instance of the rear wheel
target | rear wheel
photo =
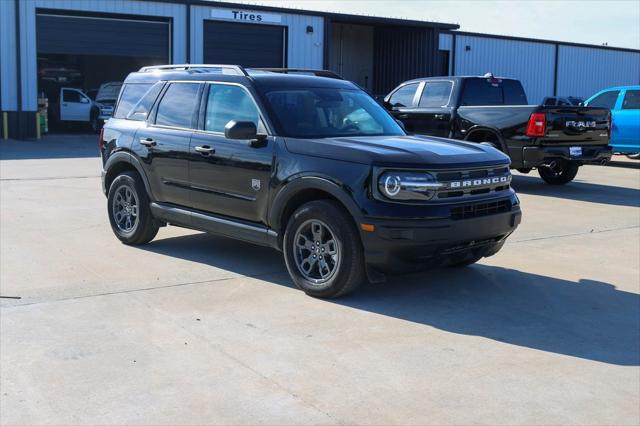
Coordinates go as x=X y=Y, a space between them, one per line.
x=129 y=212
x=559 y=172
x=322 y=250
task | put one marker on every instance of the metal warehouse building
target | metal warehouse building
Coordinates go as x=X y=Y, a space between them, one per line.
x=45 y=42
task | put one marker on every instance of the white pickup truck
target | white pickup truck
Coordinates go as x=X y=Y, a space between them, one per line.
x=73 y=105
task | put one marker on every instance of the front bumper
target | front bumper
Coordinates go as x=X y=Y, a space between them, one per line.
x=407 y=245
x=534 y=156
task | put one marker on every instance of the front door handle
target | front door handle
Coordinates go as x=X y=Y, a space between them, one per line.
x=403 y=116
x=439 y=116
x=205 y=149
x=148 y=142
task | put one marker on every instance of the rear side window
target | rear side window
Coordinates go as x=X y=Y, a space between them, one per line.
x=480 y=91
x=142 y=108
x=549 y=101
x=178 y=104
x=130 y=95
x=436 y=94
x=403 y=97
x=226 y=103
x=631 y=100
x=605 y=100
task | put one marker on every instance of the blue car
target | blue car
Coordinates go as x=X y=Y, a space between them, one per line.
x=624 y=103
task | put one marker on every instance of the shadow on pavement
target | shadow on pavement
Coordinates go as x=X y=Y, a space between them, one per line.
x=579 y=191
x=586 y=319
x=70 y=145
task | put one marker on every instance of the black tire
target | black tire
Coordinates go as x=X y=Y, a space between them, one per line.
x=94 y=123
x=562 y=173
x=348 y=270
x=143 y=226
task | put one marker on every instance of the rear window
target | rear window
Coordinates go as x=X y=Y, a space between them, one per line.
x=177 y=105
x=495 y=91
x=130 y=95
x=436 y=94
x=142 y=108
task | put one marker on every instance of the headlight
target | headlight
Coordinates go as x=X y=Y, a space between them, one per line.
x=407 y=186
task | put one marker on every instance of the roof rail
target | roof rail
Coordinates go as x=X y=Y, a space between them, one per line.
x=317 y=73
x=234 y=69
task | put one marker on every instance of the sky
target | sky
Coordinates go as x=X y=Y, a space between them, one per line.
x=615 y=22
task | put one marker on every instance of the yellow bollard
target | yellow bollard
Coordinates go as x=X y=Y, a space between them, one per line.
x=37 y=125
x=5 y=126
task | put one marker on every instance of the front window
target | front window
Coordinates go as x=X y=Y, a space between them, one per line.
x=228 y=102
x=330 y=112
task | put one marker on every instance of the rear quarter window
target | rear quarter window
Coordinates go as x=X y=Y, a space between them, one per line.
x=129 y=96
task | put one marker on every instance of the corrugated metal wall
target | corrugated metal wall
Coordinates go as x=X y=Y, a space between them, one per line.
x=530 y=62
x=584 y=71
x=305 y=50
x=8 y=77
x=142 y=8
x=401 y=54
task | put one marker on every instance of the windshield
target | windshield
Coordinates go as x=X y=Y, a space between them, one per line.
x=330 y=112
x=109 y=91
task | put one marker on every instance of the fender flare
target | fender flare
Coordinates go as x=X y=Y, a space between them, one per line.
x=126 y=157
x=495 y=132
x=295 y=186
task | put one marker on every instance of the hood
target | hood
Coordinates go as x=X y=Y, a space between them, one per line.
x=413 y=151
x=109 y=92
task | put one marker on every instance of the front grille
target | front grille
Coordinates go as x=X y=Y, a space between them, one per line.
x=480 y=209
x=478 y=178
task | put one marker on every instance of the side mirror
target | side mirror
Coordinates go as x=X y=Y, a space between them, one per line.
x=84 y=100
x=240 y=130
x=387 y=105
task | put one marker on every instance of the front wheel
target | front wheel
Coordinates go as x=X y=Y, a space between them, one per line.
x=322 y=250
x=94 y=123
x=559 y=172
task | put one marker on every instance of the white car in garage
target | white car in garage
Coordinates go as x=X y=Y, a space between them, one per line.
x=76 y=106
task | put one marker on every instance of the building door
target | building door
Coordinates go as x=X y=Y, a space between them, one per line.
x=249 y=45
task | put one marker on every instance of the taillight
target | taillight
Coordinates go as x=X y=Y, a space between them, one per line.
x=537 y=126
x=100 y=140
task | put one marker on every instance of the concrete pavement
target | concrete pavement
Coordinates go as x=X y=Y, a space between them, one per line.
x=194 y=328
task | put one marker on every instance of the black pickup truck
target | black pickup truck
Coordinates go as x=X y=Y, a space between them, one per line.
x=556 y=140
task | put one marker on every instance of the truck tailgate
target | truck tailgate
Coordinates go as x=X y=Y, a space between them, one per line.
x=576 y=126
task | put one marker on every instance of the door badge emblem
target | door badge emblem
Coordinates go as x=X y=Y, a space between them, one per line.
x=255 y=184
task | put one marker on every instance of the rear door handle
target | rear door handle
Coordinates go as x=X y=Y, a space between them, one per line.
x=403 y=116
x=148 y=142
x=205 y=149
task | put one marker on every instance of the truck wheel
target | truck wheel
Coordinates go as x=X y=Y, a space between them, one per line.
x=94 y=123
x=559 y=172
x=129 y=212
x=322 y=250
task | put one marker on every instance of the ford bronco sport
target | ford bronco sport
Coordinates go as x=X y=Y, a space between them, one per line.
x=308 y=165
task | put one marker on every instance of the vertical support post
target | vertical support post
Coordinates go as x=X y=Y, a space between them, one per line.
x=5 y=126
x=37 y=125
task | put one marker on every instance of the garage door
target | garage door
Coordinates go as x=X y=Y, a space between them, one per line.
x=250 y=45
x=73 y=35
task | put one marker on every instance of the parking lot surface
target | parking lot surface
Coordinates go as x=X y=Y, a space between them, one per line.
x=195 y=328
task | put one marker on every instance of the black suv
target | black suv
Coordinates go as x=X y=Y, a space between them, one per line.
x=308 y=165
